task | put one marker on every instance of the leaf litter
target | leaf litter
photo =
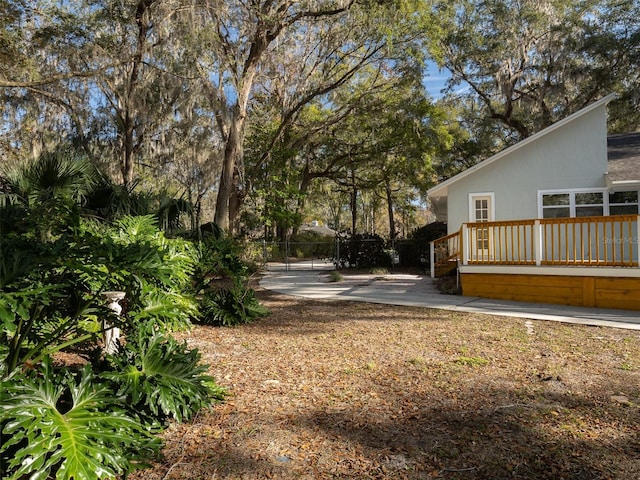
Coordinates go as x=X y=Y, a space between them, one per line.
x=332 y=390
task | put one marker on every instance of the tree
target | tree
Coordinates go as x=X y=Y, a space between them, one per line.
x=307 y=140
x=528 y=64
x=249 y=39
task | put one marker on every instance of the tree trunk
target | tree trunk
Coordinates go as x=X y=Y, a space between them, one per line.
x=235 y=200
x=392 y=221
x=354 y=204
x=127 y=144
x=232 y=152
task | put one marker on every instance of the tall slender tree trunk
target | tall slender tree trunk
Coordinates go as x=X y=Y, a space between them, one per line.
x=131 y=104
x=354 y=203
x=230 y=191
x=392 y=221
x=128 y=146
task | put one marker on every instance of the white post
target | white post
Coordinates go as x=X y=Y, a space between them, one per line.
x=537 y=247
x=112 y=334
x=432 y=259
x=637 y=238
x=464 y=231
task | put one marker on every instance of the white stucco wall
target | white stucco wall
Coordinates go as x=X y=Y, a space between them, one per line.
x=571 y=156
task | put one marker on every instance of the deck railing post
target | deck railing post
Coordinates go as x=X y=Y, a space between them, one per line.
x=464 y=231
x=637 y=239
x=432 y=259
x=537 y=247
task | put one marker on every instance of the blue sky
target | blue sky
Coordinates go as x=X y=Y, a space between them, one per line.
x=434 y=84
x=435 y=79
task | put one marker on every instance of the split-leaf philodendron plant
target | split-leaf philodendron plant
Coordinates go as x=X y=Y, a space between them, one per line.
x=88 y=414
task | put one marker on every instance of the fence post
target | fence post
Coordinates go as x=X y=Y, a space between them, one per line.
x=537 y=248
x=286 y=255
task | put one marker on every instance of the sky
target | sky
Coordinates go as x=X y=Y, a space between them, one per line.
x=435 y=80
x=434 y=84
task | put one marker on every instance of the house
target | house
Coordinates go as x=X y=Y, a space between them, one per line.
x=553 y=218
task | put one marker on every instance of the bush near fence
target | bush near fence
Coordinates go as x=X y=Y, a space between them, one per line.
x=414 y=251
x=364 y=251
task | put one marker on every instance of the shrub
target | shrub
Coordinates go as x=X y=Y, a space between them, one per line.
x=217 y=258
x=335 y=276
x=231 y=306
x=364 y=251
x=415 y=251
x=311 y=244
x=72 y=424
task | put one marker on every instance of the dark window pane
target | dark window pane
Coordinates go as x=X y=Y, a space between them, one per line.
x=623 y=209
x=555 y=199
x=561 y=212
x=590 y=198
x=589 y=211
x=623 y=197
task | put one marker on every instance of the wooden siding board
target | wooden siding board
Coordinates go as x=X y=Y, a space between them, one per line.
x=588 y=292
x=618 y=293
x=526 y=290
x=613 y=299
x=618 y=283
x=601 y=292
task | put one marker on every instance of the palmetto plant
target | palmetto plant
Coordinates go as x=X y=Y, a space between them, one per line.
x=67 y=426
x=47 y=194
x=59 y=175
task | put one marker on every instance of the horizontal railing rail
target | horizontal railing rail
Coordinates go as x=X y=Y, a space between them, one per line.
x=610 y=241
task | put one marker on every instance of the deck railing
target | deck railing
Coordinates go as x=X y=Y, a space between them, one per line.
x=610 y=241
x=445 y=253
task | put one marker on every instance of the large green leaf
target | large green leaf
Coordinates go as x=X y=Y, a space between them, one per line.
x=162 y=377
x=66 y=428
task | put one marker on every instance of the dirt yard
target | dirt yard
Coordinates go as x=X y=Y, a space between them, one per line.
x=337 y=390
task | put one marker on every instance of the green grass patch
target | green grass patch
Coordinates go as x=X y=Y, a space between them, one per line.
x=471 y=361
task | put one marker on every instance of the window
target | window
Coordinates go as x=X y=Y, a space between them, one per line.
x=556 y=205
x=589 y=204
x=482 y=210
x=623 y=203
x=586 y=203
x=482 y=215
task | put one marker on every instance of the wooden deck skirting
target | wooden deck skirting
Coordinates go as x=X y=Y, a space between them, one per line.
x=583 y=291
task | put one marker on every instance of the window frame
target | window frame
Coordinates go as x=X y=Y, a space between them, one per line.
x=492 y=205
x=572 y=200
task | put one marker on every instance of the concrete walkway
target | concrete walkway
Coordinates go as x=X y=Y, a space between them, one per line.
x=418 y=291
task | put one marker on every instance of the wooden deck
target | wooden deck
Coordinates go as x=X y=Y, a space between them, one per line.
x=585 y=261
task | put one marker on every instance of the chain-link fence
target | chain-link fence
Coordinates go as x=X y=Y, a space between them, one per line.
x=318 y=255
x=356 y=252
